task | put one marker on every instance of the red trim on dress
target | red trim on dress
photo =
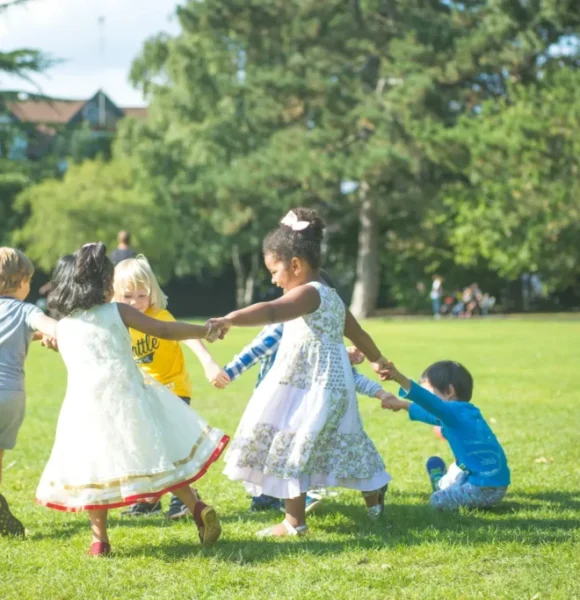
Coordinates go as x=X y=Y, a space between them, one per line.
x=132 y=499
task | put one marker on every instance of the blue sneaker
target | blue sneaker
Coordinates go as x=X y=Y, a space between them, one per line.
x=436 y=468
x=264 y=502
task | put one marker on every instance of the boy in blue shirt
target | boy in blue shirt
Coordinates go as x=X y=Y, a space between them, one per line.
x=480 y=475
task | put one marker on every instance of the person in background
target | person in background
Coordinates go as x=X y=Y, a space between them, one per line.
x=123 y=249
x=436 y=289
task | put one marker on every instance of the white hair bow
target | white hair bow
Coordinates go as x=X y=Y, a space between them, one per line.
x=291 y=220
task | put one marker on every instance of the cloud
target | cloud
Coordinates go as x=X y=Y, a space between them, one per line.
x=69 y=30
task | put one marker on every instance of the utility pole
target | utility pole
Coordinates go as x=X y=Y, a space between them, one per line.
x=102 y=41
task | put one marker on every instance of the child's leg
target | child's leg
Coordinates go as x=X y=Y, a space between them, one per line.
x=295 y=521
x=453 y=476
x=205 y=516
x=98 y=519
x=465 y=494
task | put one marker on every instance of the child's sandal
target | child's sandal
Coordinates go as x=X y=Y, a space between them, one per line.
x=211 y=530
x=376 y=512
x=100 y=549
x=290 y=530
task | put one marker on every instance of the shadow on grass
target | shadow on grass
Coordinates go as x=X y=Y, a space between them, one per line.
x=408 y=521
x=406 y=525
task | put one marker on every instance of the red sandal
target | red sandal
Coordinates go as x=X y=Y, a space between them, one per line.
x=100 y=549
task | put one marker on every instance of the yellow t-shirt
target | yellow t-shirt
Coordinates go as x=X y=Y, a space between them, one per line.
x=161 y=359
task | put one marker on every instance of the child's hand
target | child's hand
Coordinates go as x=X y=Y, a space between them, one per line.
x=222 y=325
x=217 y=376
x=49 y=342
x=213 y=333
x=355 y=356
x=382 y=368
x=390 y=401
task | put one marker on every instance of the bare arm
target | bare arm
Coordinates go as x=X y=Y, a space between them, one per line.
x=167 y=330
x=44 y=324
x=360 y=338
x=298 y=302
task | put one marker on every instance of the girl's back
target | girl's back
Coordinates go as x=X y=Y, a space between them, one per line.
x=94 y=345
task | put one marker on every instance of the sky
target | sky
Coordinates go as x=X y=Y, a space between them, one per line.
x=69 y=30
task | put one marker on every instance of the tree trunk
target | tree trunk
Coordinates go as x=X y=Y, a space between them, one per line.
x=366 y=286
x=245 y=279
x=251 y=279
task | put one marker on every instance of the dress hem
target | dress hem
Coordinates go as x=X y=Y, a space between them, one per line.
x=132 y=499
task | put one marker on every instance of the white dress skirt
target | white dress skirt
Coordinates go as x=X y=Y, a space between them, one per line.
x=302 y=427
x=121 y=436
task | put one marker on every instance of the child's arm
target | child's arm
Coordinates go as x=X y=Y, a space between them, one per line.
x=365 y=386
x=425 y=399
x=43 y=324
x=167 y=330
x=264 y=344
x=298 y=302
x=212 y=370
x=416 y=413
x=363 y=341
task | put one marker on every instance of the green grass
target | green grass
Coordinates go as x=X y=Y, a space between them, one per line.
x=526 y=376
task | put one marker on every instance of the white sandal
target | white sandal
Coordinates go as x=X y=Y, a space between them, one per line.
x=290 y=530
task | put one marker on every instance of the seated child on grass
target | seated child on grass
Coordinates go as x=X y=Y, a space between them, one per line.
x=480 y=475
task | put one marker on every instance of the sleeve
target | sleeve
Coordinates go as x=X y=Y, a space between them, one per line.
x=31 y=313
x=365 y=386
x=416 y=413
x=264 y=344
x=430 y=402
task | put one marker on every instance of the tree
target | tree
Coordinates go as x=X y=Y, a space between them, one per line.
x=91 y=203
x=521 y=208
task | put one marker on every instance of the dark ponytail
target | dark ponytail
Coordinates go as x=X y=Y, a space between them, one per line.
x=82 y=280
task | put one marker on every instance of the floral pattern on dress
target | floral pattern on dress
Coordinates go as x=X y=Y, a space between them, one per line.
x=287 y=455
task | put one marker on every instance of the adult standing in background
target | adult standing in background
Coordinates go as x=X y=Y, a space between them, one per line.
x=436 y=290
x=123 y=249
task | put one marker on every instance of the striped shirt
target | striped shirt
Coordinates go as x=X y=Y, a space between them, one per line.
x=264 y=347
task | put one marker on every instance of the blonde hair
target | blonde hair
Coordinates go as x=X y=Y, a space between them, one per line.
x=132 y=273
x=15 y=268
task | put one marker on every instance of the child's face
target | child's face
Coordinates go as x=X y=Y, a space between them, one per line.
x=138 y=298
x=285 y=275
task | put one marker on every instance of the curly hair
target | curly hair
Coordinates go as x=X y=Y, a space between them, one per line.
x=81 y=280
x=285 y=242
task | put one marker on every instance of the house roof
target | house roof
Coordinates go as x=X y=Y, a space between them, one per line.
x=45 y=111
x=60 y=111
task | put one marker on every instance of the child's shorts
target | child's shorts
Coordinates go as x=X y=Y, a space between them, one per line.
x=12 y=409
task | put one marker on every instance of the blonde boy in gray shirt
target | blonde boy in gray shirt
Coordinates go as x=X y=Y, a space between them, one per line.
x=20 y=322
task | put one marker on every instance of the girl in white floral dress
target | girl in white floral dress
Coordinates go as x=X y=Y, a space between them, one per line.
x=302 y=428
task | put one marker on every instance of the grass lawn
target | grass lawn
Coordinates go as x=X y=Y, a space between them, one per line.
x=526 y=383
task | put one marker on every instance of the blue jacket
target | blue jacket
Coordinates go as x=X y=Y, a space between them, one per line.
x=472 y=441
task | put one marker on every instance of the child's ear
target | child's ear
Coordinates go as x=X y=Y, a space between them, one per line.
x=296 y=265
x=451 y=394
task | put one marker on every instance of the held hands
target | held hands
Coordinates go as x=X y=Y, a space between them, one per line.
x=49 y=342
x=217 y=376
x=213 y=332
x=355 y=356
x=221 y=325
x=384 y=368
x=391 y=402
